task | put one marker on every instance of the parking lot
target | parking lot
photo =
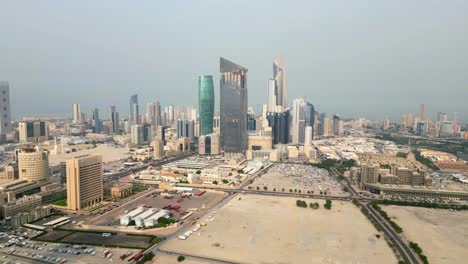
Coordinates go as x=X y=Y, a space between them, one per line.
x=61 y=253
x=297 y=178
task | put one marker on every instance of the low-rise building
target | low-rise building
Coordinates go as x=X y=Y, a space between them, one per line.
x=121 y=191
x=22 y=204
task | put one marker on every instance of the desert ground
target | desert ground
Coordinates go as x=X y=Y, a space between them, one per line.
x=162 y=258
x=108 y=152
x=442 y=234
x=266 y=229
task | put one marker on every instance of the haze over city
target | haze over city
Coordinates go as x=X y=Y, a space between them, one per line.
x=227 y=132
x=357 y=59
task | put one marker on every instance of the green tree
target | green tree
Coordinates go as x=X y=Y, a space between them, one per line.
x=265 y=188
x=180 y=258
x=328 y=204
x=215 y=182
x=225 y=181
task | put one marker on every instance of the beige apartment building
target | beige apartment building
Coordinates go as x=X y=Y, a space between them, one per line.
x=84 y=181
x=369 y=174
x=33 y=164
x=33 y=131
x=158 y=149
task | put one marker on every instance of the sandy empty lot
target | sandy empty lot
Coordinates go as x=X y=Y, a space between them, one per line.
x=266 y=229
x=442 y=235
x=162 y=258
x=107 y=152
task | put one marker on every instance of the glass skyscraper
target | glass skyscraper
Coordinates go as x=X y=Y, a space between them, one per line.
x=279 y=82
x=233 y=106
x=206 y=103
x=134 y=109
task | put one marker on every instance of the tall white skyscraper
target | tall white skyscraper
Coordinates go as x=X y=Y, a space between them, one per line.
x=280 y=80
x=150 y=114
x=5 y=117
x=272 y=95
x=76 y=114
x=303 y=114
x=308 y=136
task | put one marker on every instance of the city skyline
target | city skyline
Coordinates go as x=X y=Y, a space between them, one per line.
x=339 y=72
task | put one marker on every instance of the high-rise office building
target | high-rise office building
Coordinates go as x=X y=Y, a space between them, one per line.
x=5 y=114
x=158 y=149
x=422 y=114
x=272 y=95
x=96 y=121
x=134 y=109
x=421 y=128
x=206 y=103
x=76 y=114
x=251 y=119
x=336 y=124
x=186 y=129
x=161 y=134
x=135 y=115
x=84 y=182
x=321 y=122
x=233 y=106
x=150 y=114
x=209 y=144
x=280 y=81
x=303 y=114
x=114 y=121
x=446 y=129
x=410 y=121
x=169 y=114
x=327 y=127
x=308 y=136
x=33 y=164
x=404 y=121
x=33 y=131
x=136 y=134
x=279 y=123
x=157 y=114
x=216 y=123
x=148 y=133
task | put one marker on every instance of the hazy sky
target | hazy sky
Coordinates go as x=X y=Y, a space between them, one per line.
x=355 y=58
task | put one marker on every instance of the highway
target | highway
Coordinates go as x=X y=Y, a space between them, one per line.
x=198 y=257
x=403 y=249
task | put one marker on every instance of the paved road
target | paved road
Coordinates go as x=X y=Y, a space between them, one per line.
x=198 y=257
x=403 y=249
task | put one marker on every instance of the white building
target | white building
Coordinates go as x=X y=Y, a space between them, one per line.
x=153 y=220
x=127 y=218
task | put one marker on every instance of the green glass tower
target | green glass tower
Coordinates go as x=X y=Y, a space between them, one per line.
x=206 y=103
